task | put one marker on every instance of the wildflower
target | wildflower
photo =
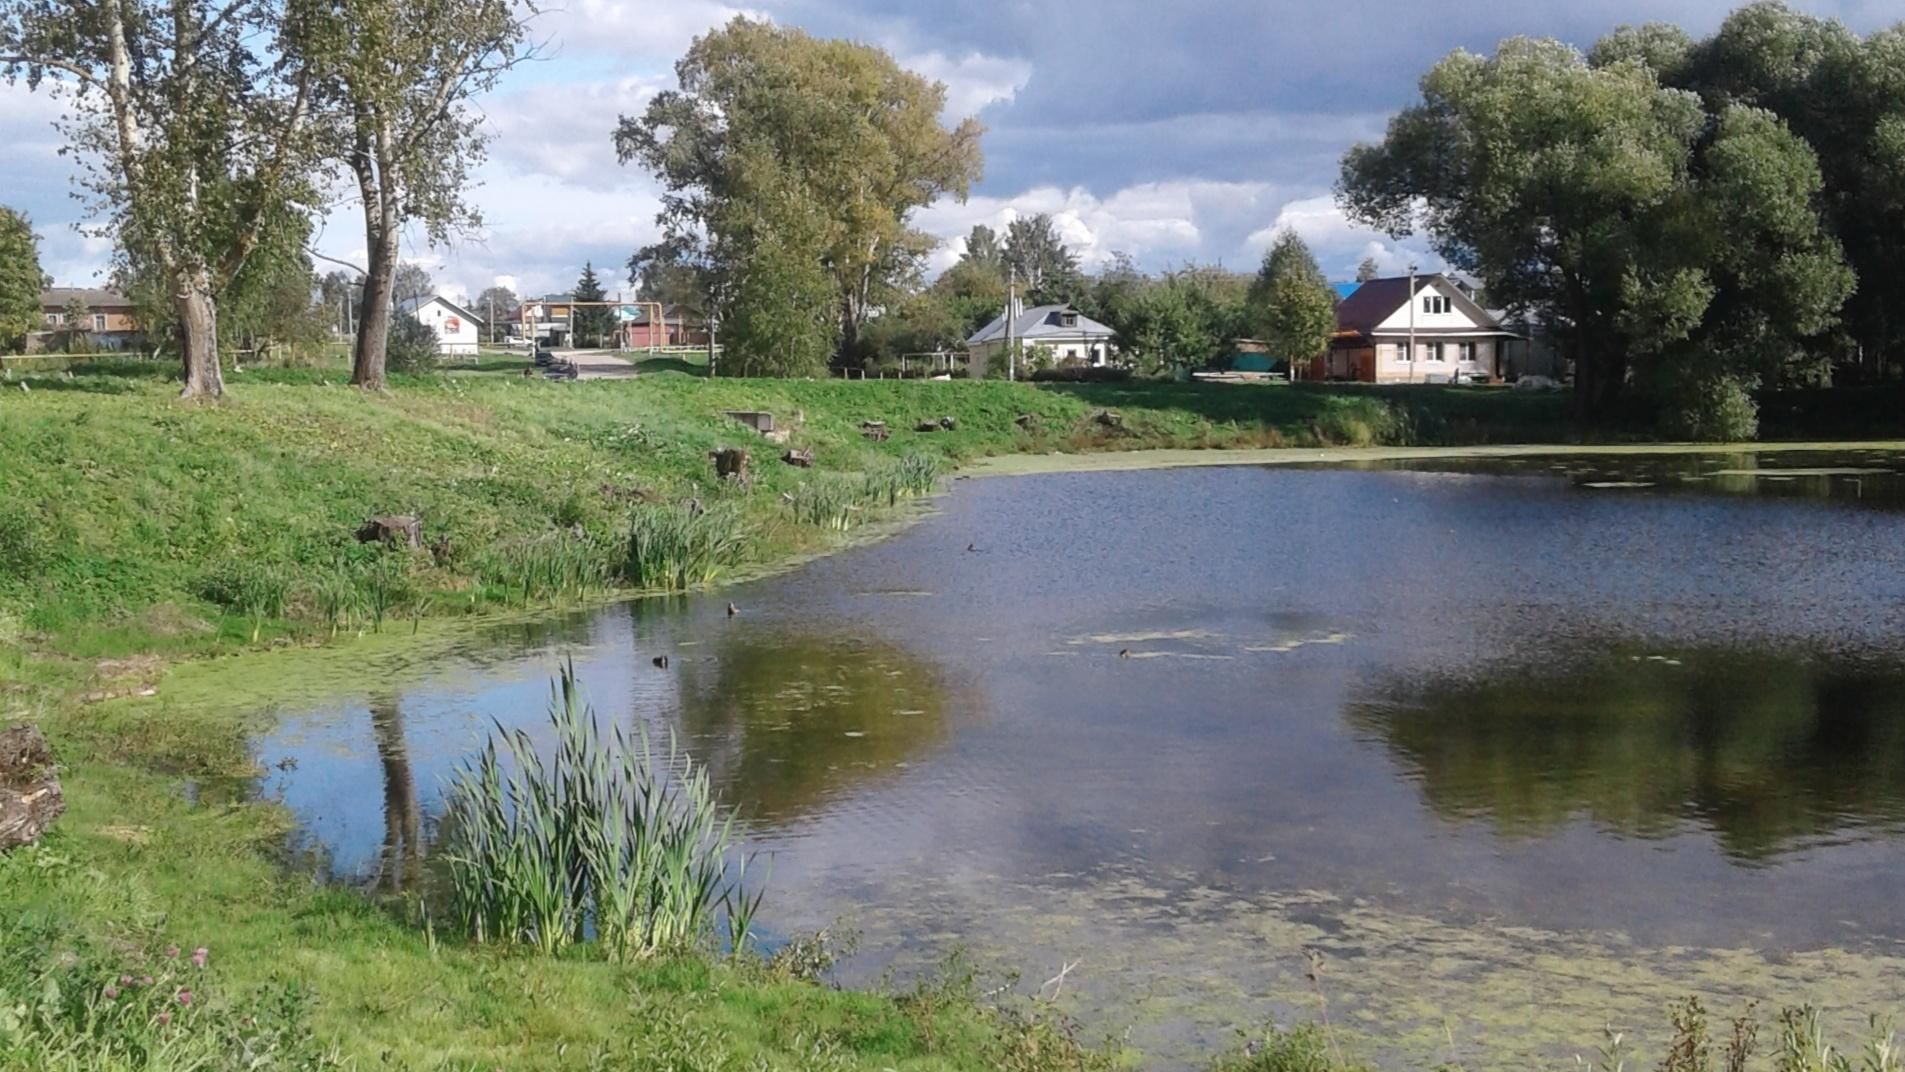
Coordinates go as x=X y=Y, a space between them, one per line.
x=172 y=952
x=145 y=981
x=163 y=1018
x=200 y=956
x=185 y=996
x=111 y=992
x=125 y=980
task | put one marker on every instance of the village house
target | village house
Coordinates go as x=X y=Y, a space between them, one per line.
x=1413 y=329
x=677 y=326
x=108 y=322
x=455 y=326
x=544 y=321
x=1070 y=337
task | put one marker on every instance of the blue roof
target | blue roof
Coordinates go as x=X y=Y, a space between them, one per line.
x=1344 y=290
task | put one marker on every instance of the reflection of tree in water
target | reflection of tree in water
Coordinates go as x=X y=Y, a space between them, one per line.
x=400 y=863
x=1764 y=751
x=788 y=723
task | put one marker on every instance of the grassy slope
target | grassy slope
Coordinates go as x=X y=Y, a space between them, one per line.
x=117 y=504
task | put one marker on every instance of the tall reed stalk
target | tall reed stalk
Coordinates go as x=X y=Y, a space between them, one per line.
x=607 y=837
x=675 y=548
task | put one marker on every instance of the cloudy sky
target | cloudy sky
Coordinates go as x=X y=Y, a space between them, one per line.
x=1176 y=132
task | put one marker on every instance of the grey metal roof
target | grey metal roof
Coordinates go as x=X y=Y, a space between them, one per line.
x=93 y=297
x=1042 y=321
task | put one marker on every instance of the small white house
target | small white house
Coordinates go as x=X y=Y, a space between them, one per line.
x=456 y=327
x=1070 y=336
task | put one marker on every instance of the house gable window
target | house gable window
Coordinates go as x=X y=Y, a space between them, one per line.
x=1436 y=303
x=1068 y=320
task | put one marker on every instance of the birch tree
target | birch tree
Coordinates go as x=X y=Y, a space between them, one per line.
x=399 y=78
x=191 y=119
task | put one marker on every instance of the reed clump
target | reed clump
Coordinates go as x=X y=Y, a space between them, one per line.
x=675 y=548
x=604 y=838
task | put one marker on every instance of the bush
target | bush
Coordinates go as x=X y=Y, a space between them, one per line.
x=1718 y=409
x=410 y=346
x=1082 y=374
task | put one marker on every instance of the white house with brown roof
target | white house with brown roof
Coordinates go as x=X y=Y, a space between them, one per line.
x=455 y=326
x=1414 y=329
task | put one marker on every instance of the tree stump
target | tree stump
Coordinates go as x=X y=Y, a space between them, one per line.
x=397 y=529
x=926 y=426
x=1027 y=421
x=948 y=423
x=799 y=459
x=874 y=430
x=30 y=796
x=729 y=463
x=1108 y=418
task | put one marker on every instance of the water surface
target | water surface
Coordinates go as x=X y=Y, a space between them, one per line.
x=1522 y=746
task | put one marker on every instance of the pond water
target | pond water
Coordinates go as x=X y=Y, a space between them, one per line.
x=1522 y=747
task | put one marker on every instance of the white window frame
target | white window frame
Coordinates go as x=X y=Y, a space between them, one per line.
x=1433 y=351
x=99 y=321
x=1402 y=352
x=1465 y=352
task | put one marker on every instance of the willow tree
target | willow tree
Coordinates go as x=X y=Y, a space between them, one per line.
x=399 y=78
x=191 y=120
x=1652 y=235
x=834 y=137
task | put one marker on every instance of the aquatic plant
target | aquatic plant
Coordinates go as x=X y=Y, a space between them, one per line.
x=830 y=502
x=673 y=548
x=607 y=836
x=558 y=565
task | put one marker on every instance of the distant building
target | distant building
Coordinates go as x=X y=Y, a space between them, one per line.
x=678 y=326
x=1071 y=336
x=1454 y=338
x=455 y=326
x=110 y=321
x=544 y=321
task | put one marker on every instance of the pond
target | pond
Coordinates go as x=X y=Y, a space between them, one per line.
x=1521 y=747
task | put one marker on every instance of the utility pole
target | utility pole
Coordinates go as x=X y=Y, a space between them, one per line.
x=1412 y=322
x=1011 y=323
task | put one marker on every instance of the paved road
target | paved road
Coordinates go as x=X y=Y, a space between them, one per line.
x=597 y=364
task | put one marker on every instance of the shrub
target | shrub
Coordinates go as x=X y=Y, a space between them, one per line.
x=1716 y=409
x=411 y=345
x=1358 y=422
x=1082 y=374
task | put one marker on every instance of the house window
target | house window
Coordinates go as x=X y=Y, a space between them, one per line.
x=1068 y=320
x=1434 y=351
x=1402 y=351
x=55 y=319
x=1435 y=303
x=1465 y=351
x=99 y=321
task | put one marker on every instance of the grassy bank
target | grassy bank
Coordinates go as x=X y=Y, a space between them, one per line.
x=135 y=531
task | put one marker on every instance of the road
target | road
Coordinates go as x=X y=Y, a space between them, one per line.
x=597 y=364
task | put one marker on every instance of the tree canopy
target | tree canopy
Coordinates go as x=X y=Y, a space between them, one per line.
x=1290 y=305
x=192 y=119
x=1647 y=231
x=1035 y=252
x=592 y=322
x=795 y=151
x=20 y=278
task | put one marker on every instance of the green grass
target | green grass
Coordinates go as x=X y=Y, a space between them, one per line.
x=135 y=530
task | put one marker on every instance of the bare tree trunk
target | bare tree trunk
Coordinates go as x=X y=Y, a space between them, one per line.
x=373 y=324
x=198 y=333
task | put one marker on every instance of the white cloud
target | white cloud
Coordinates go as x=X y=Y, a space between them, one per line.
x=973 y=81
x=634 y=27
x=1339 y=244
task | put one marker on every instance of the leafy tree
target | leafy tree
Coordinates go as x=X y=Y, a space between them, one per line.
x=1114 y=289
x=1645 y=230
x=1846 y=97
x=268 y=302
x=75 y=334
x=1368 y=270
x=338 y=293
x=397 y=78
x=496 y=302
x=592 y=322
x=20 y=278
x=779 y=146
x=192 y=117
x=983 y=249
x=972 y=294
x=922 y=323
x=1290 y=305
x=410 y=281
x=1184 y=319
x=670 y=284
x=1045 y=268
